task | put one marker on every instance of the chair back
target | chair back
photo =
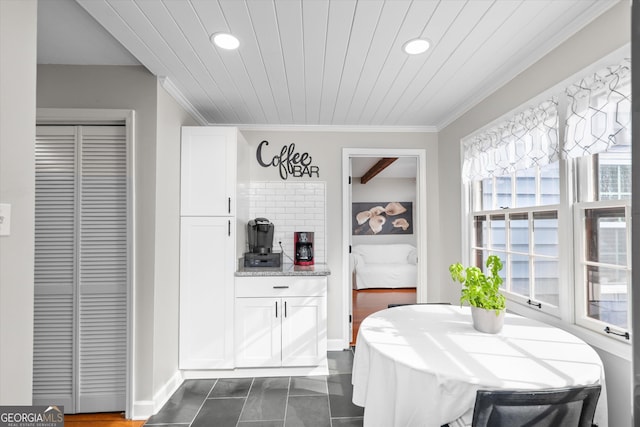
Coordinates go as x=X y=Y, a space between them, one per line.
x=566 y=407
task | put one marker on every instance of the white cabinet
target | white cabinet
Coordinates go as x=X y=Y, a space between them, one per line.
x=207 y=265
x=303 y=331
x=258 y=329
x=281 y=321
x=209 y=244
x=208 y=171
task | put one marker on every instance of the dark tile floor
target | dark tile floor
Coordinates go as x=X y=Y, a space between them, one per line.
x=322 y=401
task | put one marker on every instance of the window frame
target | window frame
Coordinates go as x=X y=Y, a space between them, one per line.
x=507 y=252
x=581 y=295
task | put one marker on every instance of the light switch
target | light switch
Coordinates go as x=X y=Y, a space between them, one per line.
x=5 y=219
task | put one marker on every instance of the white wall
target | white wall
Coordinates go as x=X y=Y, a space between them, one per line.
x=167 y=239
x=607 y=33
x=325 y=148
x=17 y=187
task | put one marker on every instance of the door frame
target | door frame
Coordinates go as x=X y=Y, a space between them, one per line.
x=420 y=222
x=82 y=116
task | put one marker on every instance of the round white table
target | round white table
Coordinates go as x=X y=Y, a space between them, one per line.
x=421 y=365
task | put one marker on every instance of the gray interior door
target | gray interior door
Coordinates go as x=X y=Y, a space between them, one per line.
x=81 y=268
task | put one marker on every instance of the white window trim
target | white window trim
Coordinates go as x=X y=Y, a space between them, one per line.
x=610 y=344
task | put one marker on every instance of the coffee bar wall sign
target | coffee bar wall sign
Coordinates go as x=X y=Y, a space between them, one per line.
x=288 y=161
x=382 y=218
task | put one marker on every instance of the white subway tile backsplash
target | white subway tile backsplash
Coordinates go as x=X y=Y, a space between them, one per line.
x=292 y=206
x=305 y=204
x=274 y=184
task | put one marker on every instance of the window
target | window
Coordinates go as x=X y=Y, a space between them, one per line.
x=525 y=237
x=614 y=175
x=602 y=227
x=603 y=265
x=514 y=179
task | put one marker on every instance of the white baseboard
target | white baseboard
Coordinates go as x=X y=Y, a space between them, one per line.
x=144 y=409
x=321 y=369
x=166 y=391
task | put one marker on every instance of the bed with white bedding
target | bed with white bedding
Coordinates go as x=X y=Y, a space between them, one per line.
x=384 y=266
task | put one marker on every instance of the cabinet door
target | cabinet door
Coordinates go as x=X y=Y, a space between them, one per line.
x=208 y=171
x=304 y=334
x=206 y=293
x=258 y=332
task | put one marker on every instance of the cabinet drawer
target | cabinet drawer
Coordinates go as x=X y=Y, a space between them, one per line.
x=280 y=286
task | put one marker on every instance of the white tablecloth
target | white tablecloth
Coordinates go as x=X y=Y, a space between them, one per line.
x=421 y=365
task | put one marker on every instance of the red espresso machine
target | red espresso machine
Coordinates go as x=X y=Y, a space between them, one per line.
x=303 y=244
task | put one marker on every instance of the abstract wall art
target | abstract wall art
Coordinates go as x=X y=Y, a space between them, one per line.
x=376 y=218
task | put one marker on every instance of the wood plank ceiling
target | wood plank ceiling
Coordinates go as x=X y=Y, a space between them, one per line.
x=339 y=62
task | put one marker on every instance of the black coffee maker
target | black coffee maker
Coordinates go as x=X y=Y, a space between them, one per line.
x=260 y=235
x=260 y=239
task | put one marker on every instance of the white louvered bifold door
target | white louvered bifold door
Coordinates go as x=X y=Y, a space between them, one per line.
x=95 y=292
x=103 y=266
x=55 y=266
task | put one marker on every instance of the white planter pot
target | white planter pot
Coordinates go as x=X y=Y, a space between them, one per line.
x=487 y=320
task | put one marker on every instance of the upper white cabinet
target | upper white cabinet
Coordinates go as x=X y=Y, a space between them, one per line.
x=208 y=171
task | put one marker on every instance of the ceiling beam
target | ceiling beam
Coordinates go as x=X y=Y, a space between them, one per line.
x=377 y=168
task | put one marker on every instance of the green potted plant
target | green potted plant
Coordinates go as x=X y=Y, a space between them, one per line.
x=482 y=292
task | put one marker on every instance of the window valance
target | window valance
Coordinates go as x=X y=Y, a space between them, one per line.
x=599 y=112
x=528 y=139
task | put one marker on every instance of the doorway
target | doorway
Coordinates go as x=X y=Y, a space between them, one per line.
x=83 y=258
x=403 y=181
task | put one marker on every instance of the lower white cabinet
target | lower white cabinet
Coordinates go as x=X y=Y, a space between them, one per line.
x=281 y=321
x=207 y=268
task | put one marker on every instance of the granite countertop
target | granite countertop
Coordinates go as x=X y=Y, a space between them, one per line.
x=285 y=269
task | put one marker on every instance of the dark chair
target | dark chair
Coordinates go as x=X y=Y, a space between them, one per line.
x=566 y=407
x=419 y=303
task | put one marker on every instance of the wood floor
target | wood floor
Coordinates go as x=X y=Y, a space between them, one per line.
x=100 y=420
x=367 y=301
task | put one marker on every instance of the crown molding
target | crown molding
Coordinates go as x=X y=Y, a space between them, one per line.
x=176 y=94
x=171 y=88
x=331 y=128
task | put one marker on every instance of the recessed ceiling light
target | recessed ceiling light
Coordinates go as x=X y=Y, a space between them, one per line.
x=225 y=41
x=416 y=46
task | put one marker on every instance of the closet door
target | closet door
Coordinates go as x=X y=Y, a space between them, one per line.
x=103 y=255
x=82 y=268
x=55 y=267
